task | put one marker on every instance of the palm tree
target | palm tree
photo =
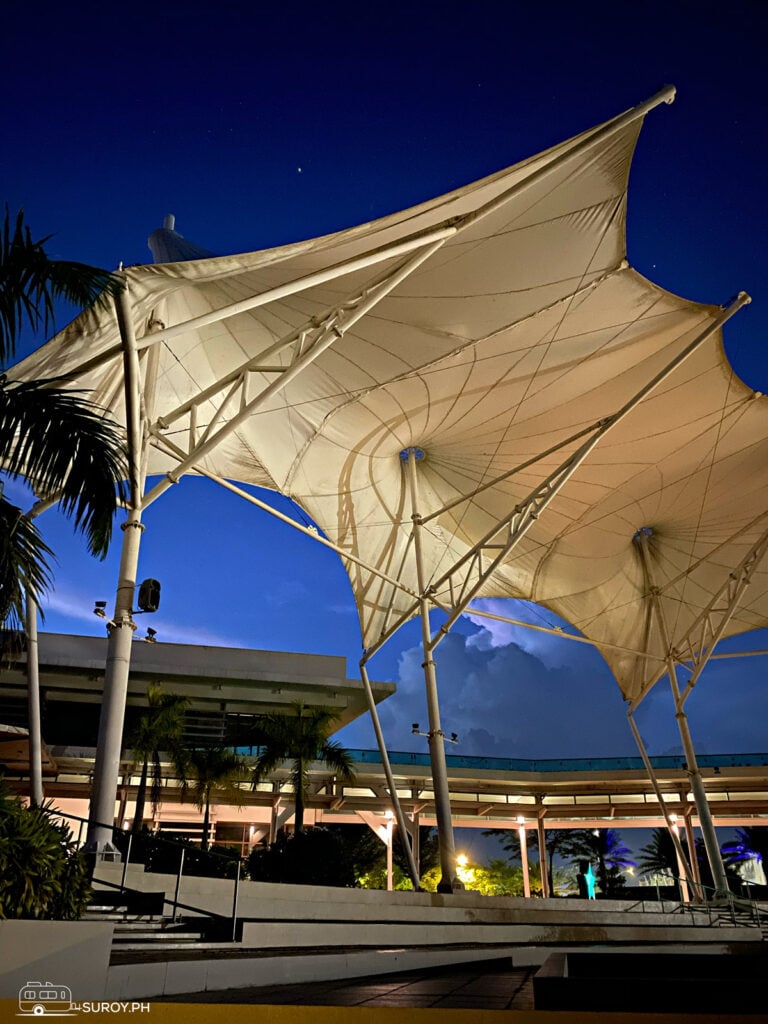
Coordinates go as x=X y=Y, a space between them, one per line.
x=213 y=771
x=160 y=728
x=561 y=843
x=659 y=857
x=54 y=438
x=607 y=846
x=300 y=738
x=751 y=843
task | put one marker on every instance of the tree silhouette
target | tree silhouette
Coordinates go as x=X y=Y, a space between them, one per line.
x=160 y=728
x=562 y=843
x=213 y=771
x=299 y=738
x=751 y=843
x=56 y=439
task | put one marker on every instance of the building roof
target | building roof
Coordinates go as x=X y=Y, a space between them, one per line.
x=217 y=680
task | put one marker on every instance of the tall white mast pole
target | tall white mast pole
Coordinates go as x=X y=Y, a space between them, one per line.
x=448 y=880
x=122 y=626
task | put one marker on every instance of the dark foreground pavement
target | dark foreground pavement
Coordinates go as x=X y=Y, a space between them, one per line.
x=487 y=985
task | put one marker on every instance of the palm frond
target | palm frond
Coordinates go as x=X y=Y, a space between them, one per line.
x=31 y=282
x=63 y=444
x=214 y=770
x=23 y=564
x=338 y=759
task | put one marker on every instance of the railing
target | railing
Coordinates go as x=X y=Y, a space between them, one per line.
x=715 y=903
x=124 y=844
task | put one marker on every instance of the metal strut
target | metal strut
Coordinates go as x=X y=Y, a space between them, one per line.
x=694 y=772
x=449 y=881
x=106 y=768
x=698 y=644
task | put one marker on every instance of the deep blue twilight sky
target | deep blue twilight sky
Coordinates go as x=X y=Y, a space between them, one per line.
x=258 y=124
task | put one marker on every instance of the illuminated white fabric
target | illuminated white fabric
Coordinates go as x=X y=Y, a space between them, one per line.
x=524 y=328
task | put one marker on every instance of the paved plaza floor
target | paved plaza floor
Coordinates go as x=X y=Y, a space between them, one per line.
x=488 y=985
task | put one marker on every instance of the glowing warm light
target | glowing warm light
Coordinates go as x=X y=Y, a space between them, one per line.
x=673 y=818
x=389 y=814
x=520 y=819
x=462 y=860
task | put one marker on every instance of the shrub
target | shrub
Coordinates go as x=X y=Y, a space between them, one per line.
x=314 y=857
x=42 y=875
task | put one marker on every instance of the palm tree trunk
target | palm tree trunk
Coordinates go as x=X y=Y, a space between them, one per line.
x=206 y=820
x=298 y=821
x=141 y=799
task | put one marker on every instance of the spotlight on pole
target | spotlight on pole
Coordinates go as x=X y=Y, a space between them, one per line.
x=100 y=609
x=150 y=637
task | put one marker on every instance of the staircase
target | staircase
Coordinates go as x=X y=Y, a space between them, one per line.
x=739 y=916
x=141 y=926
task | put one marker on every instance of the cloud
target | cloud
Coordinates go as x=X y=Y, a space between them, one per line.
x=69 y=606
x=505 y=702
x=505 y=699
x=493 y=633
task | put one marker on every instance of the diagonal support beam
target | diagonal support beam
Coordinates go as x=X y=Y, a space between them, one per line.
x=328 y=337
x=449 y=881
x=396 y=806
x=698 y=645
x=167 y=447
x=662 y=802
x=300 y=337
x=694 y=772
x=299 y=284
x=504 y=537
x=696 y=648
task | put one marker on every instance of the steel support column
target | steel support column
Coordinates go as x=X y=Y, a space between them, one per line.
x=523 y=836
x=449 y=881
x=543 y=859
x=694 y=772
x=691 y=841
x=659 y=795
x=34 y=729
x=121 y=626
x=398 y=811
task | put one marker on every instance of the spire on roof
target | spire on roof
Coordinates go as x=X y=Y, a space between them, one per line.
x=168 y=246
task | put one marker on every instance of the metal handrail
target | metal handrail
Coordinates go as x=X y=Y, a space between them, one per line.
x=720 y=899
x=237 y=862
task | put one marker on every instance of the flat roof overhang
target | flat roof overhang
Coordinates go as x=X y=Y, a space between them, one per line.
x=238 y=681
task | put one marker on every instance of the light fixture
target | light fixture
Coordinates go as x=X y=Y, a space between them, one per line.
x=462 y=860
x=520 y=819
x=416 y=731
x=151 y=634
x=100 y=609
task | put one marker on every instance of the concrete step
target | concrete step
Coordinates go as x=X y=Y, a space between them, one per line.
x=111 y=914
x=155 y=938
x=154 y=924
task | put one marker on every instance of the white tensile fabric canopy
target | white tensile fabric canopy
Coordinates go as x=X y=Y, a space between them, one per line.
x=496 y=328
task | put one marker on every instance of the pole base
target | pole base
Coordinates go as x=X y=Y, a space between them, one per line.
x=450 y=885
